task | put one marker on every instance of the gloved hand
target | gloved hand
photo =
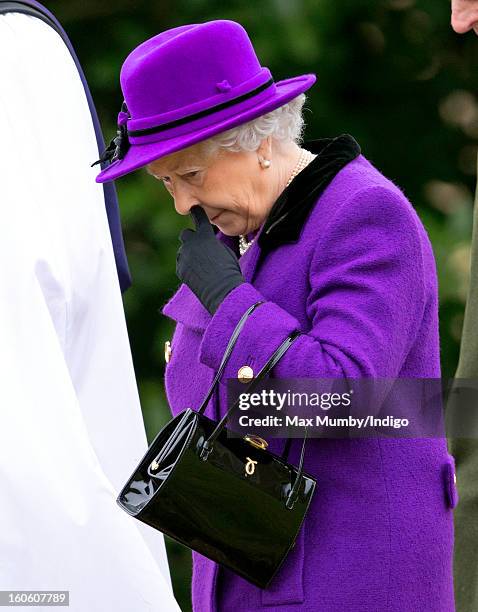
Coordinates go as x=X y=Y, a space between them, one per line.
x=209 y=267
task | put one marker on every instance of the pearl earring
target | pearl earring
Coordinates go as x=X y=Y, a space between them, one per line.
x=265 y=163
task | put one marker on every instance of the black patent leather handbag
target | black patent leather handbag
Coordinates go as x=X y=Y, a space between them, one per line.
x=225 y=497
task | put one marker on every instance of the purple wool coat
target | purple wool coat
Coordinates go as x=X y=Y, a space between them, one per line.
x=361 y=285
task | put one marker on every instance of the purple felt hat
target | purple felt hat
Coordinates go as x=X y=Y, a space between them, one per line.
x=187 y=84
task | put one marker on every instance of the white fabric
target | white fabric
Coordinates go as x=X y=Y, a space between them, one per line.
x=71 y=429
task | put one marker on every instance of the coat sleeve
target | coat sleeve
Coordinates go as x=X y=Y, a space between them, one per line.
x=364 y=305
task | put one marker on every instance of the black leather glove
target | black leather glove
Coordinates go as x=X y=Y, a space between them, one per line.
x=209 y=267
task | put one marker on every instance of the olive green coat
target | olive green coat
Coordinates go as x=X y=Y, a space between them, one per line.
x=465 y=451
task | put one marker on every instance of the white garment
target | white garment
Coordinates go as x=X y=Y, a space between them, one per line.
x=71 y=429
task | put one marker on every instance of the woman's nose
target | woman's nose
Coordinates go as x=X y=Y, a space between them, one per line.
x=183 y=200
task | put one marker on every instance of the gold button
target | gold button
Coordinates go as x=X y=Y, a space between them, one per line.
x=167 y=351
x=245 y=374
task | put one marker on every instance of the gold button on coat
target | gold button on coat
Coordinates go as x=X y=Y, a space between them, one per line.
x=167 y=351
x=245 y=374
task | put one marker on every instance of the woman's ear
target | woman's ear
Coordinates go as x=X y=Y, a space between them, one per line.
x=264 y=152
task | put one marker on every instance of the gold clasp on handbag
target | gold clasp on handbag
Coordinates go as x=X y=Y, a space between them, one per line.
x=154 y=465
x=250 y=466
x=256 y=441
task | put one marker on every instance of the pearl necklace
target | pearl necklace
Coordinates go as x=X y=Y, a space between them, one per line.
x=304 y=160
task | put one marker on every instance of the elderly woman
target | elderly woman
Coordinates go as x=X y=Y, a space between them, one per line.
x=333 y=249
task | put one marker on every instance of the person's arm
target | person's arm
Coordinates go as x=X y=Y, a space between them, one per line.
x=62 y=457
x=365 y=304
x=465 y=451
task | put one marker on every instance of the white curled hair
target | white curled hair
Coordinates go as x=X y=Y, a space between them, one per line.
x=284 y=124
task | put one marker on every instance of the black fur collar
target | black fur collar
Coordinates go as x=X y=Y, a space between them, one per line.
x=289 y=212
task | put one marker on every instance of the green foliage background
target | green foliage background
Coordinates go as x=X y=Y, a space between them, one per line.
x=390 y=72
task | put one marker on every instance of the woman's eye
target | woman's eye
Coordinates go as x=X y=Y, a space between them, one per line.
x=188 y=175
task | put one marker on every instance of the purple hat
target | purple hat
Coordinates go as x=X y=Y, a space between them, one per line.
x=187 y=84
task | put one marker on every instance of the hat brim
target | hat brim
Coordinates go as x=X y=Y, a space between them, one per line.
x=138 y=156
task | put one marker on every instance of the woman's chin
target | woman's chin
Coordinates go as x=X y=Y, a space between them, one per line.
x=228 y=229
x=227 y=224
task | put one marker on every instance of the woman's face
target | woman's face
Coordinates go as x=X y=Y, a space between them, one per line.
x=233 y=188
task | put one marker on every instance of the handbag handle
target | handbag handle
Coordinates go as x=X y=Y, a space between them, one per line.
x=278 y=353
x=227 y=352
